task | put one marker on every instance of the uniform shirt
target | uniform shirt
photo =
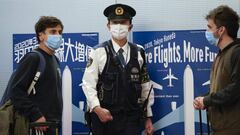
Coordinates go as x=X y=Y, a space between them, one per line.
x=90 y=77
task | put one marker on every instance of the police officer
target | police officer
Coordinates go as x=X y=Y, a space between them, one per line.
x=116 y=81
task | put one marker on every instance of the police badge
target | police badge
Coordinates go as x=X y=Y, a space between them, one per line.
x=89 y=63
x=134 y=74
x=119 y=11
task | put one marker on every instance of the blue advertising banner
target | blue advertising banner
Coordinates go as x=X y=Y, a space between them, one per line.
x=73 y=55
x=179 y=64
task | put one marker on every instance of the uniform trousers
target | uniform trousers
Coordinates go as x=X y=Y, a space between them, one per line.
x=122 y=124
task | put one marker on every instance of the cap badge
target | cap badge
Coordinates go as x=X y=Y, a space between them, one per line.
x=119 y=11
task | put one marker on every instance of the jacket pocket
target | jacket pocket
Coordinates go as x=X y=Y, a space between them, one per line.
x=217 y=118
x=107 y=93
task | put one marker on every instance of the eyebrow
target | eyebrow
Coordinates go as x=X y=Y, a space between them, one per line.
x=54 y=30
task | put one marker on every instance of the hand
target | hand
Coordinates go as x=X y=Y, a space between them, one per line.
x=103 y=114
x=198 y=103
x=41 y=128
x=148 y=127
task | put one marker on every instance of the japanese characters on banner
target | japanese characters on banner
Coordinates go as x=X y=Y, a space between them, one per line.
x=179 y=64
x=73 y=55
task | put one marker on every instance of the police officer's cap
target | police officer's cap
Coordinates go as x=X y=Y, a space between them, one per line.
x=119 y=11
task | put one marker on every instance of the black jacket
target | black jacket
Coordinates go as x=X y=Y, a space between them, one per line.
x=47 y=101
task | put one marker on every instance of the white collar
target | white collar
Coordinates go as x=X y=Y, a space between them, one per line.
x=116 y=47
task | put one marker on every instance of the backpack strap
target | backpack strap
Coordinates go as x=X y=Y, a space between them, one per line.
x=40 y=69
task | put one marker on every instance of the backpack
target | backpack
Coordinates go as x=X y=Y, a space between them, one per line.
x=11 y=122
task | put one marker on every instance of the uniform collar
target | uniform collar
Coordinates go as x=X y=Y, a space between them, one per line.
x=116 y=47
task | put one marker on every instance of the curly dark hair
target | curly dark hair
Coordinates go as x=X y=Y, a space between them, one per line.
x=46 y=22
x=227 y=17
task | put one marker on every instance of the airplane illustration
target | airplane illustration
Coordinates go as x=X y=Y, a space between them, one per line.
x=184 y=113
x=170 y=76
x=206 y=83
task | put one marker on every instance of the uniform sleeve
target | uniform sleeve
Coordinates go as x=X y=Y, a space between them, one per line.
x=90 y=79
x=146 y=85
x=24 y=75
x=145 y=90
x=230 y=93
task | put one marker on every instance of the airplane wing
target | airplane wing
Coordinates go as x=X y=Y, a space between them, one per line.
x=173 y=77
x=167 y=77
x=206 y=83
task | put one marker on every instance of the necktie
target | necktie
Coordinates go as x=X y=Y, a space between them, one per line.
x=120 y=54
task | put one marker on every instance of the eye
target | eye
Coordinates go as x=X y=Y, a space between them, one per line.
x=60 y=32
x=55 y=31
x=115 y=22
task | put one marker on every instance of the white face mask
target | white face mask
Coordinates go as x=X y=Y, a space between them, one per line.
x=119 y=31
